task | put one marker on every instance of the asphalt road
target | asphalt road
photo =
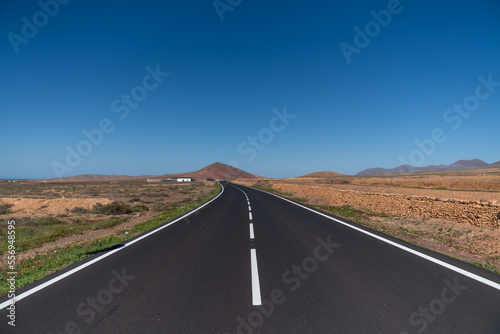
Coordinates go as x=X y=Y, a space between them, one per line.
x=250 y=262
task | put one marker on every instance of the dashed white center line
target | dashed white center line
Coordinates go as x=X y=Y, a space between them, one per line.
x=256 y=299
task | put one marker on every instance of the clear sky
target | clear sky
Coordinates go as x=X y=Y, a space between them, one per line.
x=278 y=88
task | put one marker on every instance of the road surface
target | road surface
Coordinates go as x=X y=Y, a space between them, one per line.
x=251 y=262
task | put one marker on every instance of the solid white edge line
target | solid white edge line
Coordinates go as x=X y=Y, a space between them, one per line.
x=86 y=264
x=252 y=236
x=256 y=299
x=395 y=244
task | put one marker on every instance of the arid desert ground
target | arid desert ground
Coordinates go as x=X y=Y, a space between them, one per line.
x=53 y=215
x=58 y=223
x=451 y=212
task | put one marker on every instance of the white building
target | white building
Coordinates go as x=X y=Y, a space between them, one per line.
x=184 y=179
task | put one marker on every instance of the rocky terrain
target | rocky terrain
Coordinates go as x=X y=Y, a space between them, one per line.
x=452 y=212
x=475 y=212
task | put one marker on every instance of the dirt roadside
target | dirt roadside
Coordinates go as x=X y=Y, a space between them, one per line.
x=72 y=205
x=461 y=223
x=78 y=239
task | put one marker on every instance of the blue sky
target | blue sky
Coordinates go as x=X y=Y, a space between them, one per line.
x=264 y=85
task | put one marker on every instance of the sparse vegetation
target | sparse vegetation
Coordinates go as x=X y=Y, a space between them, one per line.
x=160 y=206
x=34 y=232
x=300 y=199
x=115 y=208
x=38 y=231
x=5 y=208
x=78 y=210
x=139 y=208
x=106 y=223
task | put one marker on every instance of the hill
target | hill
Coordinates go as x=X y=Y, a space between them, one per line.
x=458 y=165
x=495 y=165
x=216 y=171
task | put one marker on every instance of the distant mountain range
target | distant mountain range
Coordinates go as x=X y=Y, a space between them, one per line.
x=220 y=171
x=459 y=165
x=216 y=171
